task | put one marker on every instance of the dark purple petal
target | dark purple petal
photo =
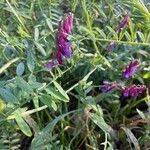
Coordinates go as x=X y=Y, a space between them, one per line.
x=68 y=23
x=108 y=86
x=59 y=58
x=122 y=24
x=131 y=69
x=50 y=64
x=67 y=50
x=126 y=93
x=134 y=90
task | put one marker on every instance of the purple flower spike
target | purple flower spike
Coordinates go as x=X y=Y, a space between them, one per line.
x=134 y=90
x=108 y=86
x=122 y=24
x=68 y=23
x=131 y=69
x=63 y=45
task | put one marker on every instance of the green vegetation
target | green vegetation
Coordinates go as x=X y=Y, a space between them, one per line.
x=64 y=108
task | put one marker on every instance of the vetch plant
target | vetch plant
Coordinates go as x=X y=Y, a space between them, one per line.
x=64 y=109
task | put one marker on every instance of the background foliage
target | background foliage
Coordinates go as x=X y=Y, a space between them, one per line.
x=63 y=108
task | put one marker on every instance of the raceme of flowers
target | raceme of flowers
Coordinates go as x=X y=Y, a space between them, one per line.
x=131 y=69
x=108 y=86
x=63 y=45
x=131 y=90
x=122 y=24
x=134 y=90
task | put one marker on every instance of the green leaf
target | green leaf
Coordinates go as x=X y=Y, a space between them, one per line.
x=36 y=101
x=36 y=85
x=141 y=36
x=23 y=126
x=2 y=105
x=22 y=32
x=142 y=115
x=127 y=35
x=101 y=33
x=49 y=23
x=54 y=106
x=88 y=75
x=100 y=122
x=30 y=60
x=146 y=76
x=36 y=34
x=33 y=83
x=131 y=137
x=23 y=85
x=46 y=132
x=60 y=89
x=48 y=100
x=56 y=94
x=8 y=96
x=20 y=69
x=40 y=49
x=2 y=83
x=112 y=31
x=98 y=119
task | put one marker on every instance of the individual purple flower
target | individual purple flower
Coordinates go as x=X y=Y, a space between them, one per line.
x=131 y=69
x=123 y=24
x=63 y=45
x=134 y=90
x=108 y=86
x=51 y=64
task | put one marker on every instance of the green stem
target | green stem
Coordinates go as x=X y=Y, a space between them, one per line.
x=124 y=42
x=16 y=14
x=96 y=48
x=49 y=8
x=3 y=68
x=27 y=113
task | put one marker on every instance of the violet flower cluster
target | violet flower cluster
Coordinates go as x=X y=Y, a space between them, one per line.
x=134 y=90
x=108 y=86
x=131 y=69
x=121 y=26
x=131 y=90
x=63 y=45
